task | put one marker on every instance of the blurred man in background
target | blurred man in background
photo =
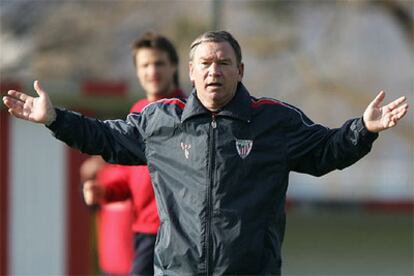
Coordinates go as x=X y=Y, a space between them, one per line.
x=156 y=64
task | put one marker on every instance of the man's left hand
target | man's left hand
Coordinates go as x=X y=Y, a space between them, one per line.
x=378 y=118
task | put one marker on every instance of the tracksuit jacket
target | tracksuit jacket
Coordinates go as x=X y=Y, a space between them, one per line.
x=220 y=179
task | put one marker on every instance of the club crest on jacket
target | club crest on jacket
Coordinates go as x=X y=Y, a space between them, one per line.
x=186 y=148
x=244 y=147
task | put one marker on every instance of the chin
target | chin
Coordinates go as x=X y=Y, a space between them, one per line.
x=216 y=100
x=214 y=93
x=161 y=93
x=155 y=90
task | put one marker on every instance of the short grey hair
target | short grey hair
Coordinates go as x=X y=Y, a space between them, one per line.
x=217 y=36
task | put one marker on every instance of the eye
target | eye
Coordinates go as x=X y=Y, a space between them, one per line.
x=224 y=62
x=160 y=63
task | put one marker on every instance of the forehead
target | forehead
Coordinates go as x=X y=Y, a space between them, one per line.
x=150 y=54
x=214 y=50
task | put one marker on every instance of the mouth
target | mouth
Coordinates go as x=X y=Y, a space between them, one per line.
x=214 y=85
x=154 y=81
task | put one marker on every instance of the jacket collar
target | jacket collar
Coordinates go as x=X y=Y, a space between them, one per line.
x=238 y=107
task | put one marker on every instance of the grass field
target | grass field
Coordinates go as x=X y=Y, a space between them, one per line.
x=347 y=241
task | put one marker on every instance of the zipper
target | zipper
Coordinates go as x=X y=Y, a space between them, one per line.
x=213 y=120
x=211 y=153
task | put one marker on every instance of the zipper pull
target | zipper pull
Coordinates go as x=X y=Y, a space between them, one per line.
x=213 y=122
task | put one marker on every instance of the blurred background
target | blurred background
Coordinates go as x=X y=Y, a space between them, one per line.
x=329 y=58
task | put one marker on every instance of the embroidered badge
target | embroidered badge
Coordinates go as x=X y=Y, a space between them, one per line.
x=244 y=147
x=186 y=148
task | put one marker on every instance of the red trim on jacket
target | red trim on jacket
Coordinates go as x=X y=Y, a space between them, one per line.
x=173 y=101
x=265 y=101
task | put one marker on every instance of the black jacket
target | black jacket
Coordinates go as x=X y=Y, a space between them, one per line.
x=220 y=179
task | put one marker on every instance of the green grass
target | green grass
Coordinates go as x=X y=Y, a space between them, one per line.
x=348 y=242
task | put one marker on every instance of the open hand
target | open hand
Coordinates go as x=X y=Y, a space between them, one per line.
x=34 y=109
x=378 y=118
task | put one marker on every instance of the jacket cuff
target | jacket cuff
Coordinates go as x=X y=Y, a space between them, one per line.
x=59 y=114
x=361 y=132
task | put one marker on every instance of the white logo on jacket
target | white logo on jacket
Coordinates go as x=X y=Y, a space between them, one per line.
x=244 y=147
x=186 y=148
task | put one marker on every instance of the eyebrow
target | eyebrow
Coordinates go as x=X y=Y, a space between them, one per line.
x=219 y=60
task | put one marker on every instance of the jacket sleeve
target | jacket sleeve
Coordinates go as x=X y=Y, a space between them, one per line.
x=317 y=150
x=115 y=180
x=117 y=141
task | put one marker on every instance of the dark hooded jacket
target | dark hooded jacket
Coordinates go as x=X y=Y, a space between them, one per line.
x=220 y=179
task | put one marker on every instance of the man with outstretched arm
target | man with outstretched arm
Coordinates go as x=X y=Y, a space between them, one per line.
x=219 y=161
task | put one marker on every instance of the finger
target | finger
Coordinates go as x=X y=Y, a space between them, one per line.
x=391 y=124
x=89 y=200
x=13 y=103
x=18 y=95
x=394 y=104
x=88 y=184
x=394 y=118
x=7 y=101
x=38 y=88
x=16 y=113
x=401 y=112
x=399 y=109
x=378 y=99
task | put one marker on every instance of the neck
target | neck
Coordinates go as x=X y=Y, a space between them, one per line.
x=162 y=95
x=215 y=106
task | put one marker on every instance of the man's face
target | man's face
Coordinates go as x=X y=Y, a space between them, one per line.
x=155 y=72
x=215 y=73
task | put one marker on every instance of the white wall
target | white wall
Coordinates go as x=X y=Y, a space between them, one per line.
x=37 y=201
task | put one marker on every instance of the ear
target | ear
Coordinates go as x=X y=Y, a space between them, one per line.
x=190 y=70
x=241 y=71
x=137 y=73
x=136 y=65
x=175 y=68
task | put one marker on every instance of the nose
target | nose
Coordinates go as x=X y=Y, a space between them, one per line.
x=152 y=70
x=214 y=70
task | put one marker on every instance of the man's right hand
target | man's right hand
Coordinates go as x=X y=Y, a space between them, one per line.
x=35 y=109
x=93 y=193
